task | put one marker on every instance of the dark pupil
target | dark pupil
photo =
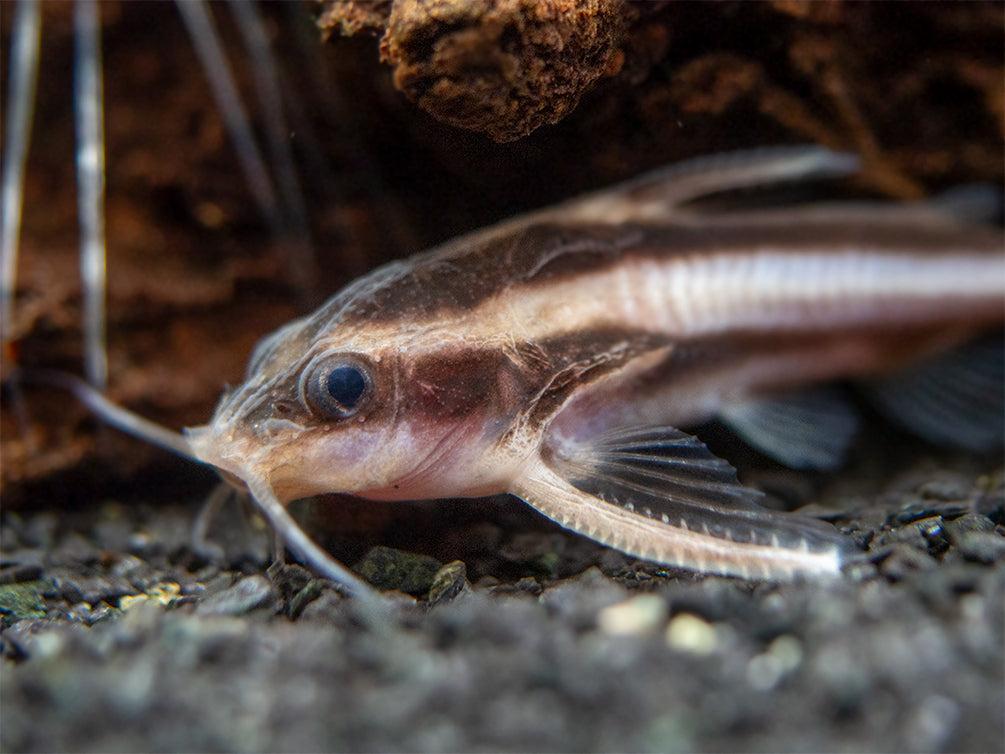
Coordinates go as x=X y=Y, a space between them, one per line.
x=346 y=386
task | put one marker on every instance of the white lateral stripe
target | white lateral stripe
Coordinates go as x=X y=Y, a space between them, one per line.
x=767 y=290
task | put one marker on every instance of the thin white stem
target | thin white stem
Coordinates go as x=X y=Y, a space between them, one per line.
x=208 y=47
x=91 y=186
x=118 y=417
x=25 y=38
x=278 y=136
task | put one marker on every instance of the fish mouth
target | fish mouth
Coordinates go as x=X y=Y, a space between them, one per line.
x=197 y=438
x=239 y=458
x=219 y=448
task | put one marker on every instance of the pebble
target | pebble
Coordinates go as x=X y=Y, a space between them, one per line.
x=982 y=547
x=19 y=573
x=947 y=487
x=40 y=531
x=108 y=588
x=70 y=593
x=578 y=600
x=25 y=557
x=9 y=539
x=637 y=616
x=137 y=572
x=540 y=551
x=526 y=585
x=311 y=591
x=22 y=601
x=250 y=593
x=783 y=655
x=289 y=579
x=689 y=633
x=930 y=727
x=388 y=569
x=448 y=582
x=329 y=608
x=166 y=594
x=904 y=560
x=114 y=530
x=73 y=549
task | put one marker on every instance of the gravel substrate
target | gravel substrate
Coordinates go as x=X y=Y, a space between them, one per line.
x=120 y=637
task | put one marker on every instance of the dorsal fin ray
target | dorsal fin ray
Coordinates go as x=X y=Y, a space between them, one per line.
x=657 y=194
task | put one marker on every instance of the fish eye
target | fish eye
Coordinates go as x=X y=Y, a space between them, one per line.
x=338 y=387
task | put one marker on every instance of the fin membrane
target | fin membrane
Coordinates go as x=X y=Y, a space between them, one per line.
x=670 y=477
x=970 y=204
x=957 y=398
x=733 y=171
x=659 y=193
x=809 y=429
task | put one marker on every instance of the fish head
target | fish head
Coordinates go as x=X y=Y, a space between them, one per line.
x=379 y=412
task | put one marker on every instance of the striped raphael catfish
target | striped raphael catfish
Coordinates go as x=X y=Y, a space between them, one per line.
x=557 y=357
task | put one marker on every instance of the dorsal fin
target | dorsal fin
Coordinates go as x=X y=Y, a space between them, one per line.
x=969 y=204
x=733 y=171
x=657 y=194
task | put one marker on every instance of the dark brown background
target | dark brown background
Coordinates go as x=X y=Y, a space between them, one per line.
x=906 y=654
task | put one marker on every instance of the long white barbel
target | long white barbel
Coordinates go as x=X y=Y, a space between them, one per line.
x=274 y=511
x=89 y=109
x=25 y=38
x=202 y=31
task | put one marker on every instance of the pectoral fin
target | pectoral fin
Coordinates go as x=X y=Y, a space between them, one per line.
x=660 y=494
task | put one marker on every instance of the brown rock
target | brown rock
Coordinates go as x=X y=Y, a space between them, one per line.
x=505 y=67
